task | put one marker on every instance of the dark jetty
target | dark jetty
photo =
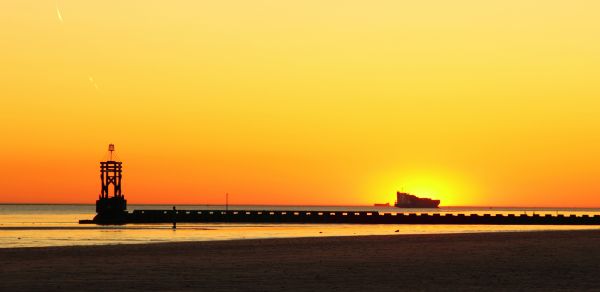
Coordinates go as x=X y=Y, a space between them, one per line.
x=112 y=210
x=336 y=217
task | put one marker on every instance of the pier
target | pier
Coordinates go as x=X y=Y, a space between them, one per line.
x=340 y=217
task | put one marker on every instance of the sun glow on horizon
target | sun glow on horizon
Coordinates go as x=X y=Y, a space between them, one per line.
x=444 y=185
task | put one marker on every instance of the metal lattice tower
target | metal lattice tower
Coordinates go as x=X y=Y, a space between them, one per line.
x=111 y=174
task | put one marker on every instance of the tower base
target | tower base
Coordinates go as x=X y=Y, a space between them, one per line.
x=111 y=210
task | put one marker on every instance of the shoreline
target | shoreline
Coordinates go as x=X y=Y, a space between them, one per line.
x=324 y=234
x=549 y=260
x=584 y=229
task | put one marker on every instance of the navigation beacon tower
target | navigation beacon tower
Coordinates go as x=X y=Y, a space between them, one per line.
x=111 y=204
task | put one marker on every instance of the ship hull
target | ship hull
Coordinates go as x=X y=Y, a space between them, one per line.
x=432 y=204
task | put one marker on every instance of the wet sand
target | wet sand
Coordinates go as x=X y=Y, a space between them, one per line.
x=556 y=260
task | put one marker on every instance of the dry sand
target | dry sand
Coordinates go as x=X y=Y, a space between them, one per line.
x=507 y=261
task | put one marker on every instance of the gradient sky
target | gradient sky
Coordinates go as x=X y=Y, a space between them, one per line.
x=302 y=102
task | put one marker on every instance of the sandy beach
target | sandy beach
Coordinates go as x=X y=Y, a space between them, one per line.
x=500 y=261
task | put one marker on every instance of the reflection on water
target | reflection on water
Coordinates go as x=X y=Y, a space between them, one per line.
x=55 y=225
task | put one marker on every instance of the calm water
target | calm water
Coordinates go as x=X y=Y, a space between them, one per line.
x=55 y=225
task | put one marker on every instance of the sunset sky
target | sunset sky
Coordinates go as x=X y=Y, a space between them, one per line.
x=337 y=102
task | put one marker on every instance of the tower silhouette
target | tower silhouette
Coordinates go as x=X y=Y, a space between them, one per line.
x=111 y=204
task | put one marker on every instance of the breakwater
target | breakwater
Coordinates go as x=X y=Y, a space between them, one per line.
x=335 y=217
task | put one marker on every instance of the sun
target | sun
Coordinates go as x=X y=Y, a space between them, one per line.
x=448 y=186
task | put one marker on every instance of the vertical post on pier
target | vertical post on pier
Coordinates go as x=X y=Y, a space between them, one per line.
x=174 y=218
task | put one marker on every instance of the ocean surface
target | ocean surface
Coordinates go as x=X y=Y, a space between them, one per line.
x=57 y=225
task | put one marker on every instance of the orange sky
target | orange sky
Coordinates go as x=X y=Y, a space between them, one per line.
x=302 y=102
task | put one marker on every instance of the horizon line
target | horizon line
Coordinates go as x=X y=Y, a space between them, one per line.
x=304 y=205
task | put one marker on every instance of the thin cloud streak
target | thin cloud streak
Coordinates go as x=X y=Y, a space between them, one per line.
x=60 y=18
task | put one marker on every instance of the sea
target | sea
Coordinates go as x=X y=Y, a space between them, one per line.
x=57 y=225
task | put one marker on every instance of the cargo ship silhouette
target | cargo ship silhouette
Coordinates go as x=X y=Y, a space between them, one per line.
x=406 y=200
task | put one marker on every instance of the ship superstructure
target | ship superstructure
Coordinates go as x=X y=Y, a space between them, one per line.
x=406 y=200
